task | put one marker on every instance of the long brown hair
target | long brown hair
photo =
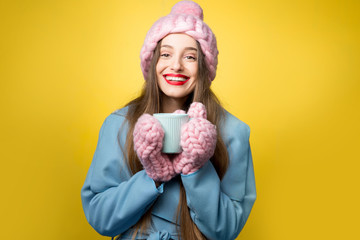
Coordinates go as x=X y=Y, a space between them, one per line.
x=149 y=101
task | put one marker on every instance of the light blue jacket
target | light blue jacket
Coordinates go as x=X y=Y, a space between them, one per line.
x=114 y=200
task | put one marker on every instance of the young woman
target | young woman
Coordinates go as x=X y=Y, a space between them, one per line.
x=133 y=190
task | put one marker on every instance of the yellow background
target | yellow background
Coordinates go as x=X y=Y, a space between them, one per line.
x=290 y=69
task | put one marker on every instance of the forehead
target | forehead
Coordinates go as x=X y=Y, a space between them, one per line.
x=179 y=40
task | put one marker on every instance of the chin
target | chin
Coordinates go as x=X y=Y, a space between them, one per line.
x=176 y=96
x=176 y=92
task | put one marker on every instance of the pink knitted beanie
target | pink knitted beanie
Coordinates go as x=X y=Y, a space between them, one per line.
x=185 y=17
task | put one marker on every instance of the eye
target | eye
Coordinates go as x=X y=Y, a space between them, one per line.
x=189 y=57
x=165 y=55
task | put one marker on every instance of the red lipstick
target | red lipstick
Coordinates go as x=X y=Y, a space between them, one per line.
x=176 y=82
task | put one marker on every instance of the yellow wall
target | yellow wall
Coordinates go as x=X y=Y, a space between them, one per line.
x=290 y=69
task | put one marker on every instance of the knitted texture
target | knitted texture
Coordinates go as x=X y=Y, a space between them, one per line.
x=185 y=17
x=180 y=111
x=198 y=141
x=148 y=139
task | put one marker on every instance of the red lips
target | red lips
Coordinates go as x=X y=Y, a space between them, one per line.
x=174 y=82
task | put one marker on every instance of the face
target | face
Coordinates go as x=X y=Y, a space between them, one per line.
x=177 y=67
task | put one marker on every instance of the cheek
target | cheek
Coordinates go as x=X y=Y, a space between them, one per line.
x=157 y=69
x=194 y=70
x=193 y=84
x=160 y=67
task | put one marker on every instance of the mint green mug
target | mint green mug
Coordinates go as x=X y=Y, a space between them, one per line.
x=171 y=123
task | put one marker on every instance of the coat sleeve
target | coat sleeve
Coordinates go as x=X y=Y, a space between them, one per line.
x=113 y=200
x=220 y=209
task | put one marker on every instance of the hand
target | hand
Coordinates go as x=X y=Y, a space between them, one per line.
x=148 y=139
x=198 y=141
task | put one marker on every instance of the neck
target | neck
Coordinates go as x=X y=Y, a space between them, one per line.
x=170 y=105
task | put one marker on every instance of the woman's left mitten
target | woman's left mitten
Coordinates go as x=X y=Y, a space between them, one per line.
x=198 y=141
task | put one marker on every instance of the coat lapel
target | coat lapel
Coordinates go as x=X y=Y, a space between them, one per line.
x=166 y=205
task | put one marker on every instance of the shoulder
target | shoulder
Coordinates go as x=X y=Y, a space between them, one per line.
x=232 y=127
x=117 y=116
x=114 y=121
x=120 y=112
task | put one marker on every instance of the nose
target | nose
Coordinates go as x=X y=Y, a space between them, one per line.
x=176 y=64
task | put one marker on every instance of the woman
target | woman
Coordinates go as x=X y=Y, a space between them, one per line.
x=133 y=190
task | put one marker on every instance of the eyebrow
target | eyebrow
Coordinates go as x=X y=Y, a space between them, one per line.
x=187 y=48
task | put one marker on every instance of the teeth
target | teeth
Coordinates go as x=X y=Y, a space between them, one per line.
x=175 y=78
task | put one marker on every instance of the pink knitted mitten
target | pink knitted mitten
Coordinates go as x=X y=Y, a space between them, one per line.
x=198 y=141
x=148 y=138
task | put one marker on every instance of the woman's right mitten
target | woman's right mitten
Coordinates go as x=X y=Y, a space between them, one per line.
x=148 y=141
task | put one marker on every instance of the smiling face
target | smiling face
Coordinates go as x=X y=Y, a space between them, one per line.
x=177 y=67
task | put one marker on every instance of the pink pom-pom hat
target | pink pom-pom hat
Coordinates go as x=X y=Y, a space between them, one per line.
x=185 y=17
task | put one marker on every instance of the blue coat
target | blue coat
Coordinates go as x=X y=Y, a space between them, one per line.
x=114 y=200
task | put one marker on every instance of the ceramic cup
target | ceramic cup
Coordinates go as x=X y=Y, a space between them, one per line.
x=171 y=123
